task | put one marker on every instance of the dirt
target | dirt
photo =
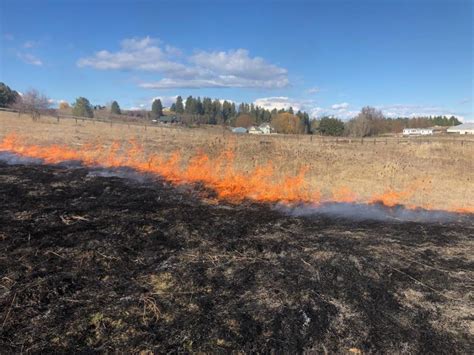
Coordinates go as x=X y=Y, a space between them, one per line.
x=92 y=263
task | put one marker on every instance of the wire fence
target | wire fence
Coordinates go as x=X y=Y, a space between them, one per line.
x=453 y=138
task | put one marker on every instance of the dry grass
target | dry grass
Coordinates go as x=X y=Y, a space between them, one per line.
x=440 y=170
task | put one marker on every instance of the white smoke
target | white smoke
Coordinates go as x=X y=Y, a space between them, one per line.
x=352 y=211
x=13 y=159
x=367 y=212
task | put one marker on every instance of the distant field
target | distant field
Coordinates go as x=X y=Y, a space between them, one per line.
x=437 y=172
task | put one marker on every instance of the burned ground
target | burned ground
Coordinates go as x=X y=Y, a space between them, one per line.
x=91 y=262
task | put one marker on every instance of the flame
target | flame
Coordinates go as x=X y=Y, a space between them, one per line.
x=343 y=194
x=219 y=174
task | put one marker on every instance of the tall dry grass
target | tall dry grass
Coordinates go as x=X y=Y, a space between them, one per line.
x=440 y=170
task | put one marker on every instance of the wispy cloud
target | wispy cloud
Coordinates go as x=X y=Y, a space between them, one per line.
x=29 y=58
x=401 y=110
x=31 y=44
x=166 y=101
x=341 y=106
x=8 y=37
x=224 y=69
x=284 y=102
x=313 y=90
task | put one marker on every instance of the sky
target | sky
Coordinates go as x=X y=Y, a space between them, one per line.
x=404 y=57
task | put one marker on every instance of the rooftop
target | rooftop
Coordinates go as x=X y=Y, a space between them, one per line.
x=464 y=126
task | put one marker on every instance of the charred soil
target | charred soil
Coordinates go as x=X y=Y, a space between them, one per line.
x=93 y=262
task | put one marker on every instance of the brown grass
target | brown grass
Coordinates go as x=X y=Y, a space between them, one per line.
x=440 y=168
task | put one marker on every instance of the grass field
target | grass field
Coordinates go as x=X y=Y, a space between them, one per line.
x=96 y=259
x=434 y=173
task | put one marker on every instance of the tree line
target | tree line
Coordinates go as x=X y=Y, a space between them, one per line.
x=372 y=122
x=369 y=121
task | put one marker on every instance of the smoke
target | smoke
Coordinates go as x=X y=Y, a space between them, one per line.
x=13 y=159
x=351 y=211
x=123 y=173
x=368 y=212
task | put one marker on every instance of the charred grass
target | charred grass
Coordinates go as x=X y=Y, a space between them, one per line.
x=100 y=263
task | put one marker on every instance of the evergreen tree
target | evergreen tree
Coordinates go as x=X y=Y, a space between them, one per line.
x=179 y=105
x=208 y=107
x=7 y=95
x=190 y=105
x=115 y=108
x=198 y=106
x=82 y=108
x=156 y=109
x=173 y=107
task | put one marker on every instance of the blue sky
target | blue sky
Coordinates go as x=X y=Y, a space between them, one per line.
x=326 y=57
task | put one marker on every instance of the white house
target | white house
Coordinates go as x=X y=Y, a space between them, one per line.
x=255 y=130
x=465 y=128
x=418 y=131
x=266 y=128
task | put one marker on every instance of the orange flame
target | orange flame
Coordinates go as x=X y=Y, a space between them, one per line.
x=219 y=174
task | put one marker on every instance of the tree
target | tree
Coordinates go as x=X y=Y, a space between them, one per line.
x=331 y=126
x=368 y=122
x=7 y=95
x=189 y=105
x=244 y=120
x=115 y=108
x=179 y=105
x=32 y=102
x=63 y=105
x=156 y=109
x=173 y=107
x=287 y=123
x=82 y=108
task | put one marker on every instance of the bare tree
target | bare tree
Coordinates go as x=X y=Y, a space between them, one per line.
x=32 y=102
x=367 y=123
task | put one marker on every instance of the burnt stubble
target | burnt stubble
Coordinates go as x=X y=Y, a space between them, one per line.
x=95 y=262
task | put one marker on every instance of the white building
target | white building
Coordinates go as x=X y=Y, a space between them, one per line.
x=418 y=131
x=266 y=128
x=465 y=128
x=255 y=130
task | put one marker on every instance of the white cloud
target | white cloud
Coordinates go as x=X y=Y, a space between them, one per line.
x=8 y=37
x=30 y=44
x=166 y=101
x=138 y=108
x=29 y=59
x=313 y=90
x=135 y=54
x=341 y=106
x=283 y=102
x=234 y=68
x=400 y=110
